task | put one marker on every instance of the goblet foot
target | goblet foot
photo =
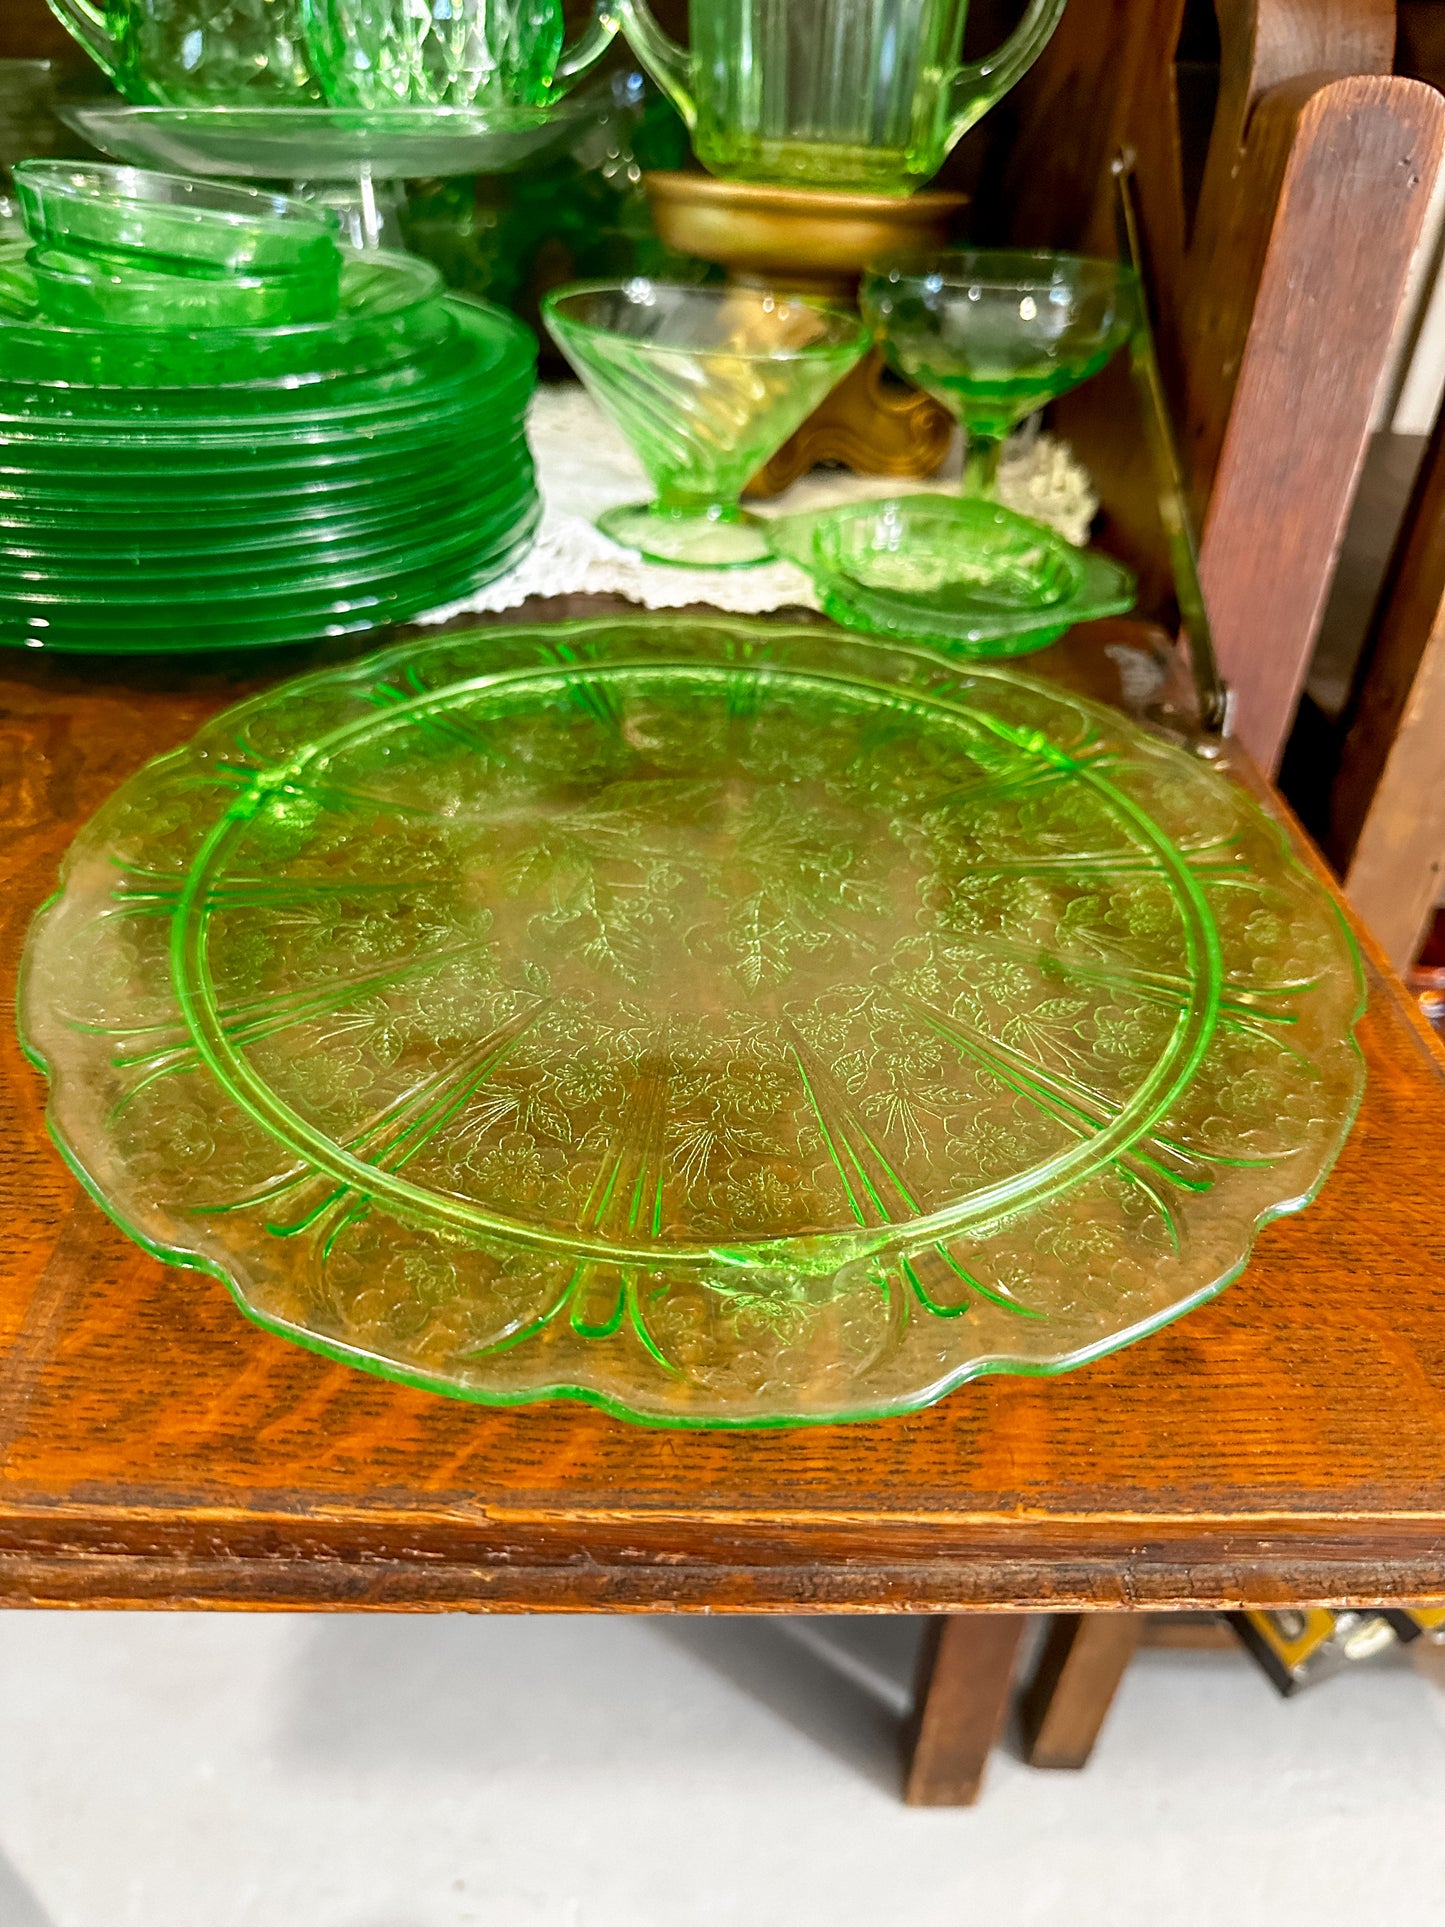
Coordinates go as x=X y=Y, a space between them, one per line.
x=713 y=538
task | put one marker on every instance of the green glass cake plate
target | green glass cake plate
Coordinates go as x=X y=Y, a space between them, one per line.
x=966 y=574
x=722 y=1023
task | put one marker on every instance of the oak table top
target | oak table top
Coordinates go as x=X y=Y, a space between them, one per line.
x=1283 y=1444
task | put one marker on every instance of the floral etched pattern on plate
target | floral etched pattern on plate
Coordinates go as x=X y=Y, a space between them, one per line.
x=721 y=1022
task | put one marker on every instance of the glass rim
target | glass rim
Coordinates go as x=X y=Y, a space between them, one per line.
x=1004 y=267
x=857 y=329
x=221 y=204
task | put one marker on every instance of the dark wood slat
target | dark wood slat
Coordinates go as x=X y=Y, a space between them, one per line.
x=965 y=1678
x=1286 y=379
x=1065 y=1704
x=1387 y=804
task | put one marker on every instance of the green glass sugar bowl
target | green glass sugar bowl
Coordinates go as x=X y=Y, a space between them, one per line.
x=193 y=53
x=842 y=94
x=448 y=53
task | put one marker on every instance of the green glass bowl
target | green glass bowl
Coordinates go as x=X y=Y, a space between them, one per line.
x=957 y=571
x=168 y=218
x=390 y=308
x=95 y=291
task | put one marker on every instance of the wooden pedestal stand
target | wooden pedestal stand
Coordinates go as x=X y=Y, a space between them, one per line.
x=814 y=242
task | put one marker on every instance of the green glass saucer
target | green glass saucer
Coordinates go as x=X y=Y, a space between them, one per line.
x=724 y=1023
x=958 y=571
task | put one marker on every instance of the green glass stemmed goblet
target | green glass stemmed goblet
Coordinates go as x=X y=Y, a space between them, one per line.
x=994 y=334
x=707 y=384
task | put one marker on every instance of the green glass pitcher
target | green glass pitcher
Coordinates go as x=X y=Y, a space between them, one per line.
x=194 y=53
x=867 y=95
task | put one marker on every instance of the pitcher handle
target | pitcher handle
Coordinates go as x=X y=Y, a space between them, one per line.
x=582 y=57
x=86 y=24
x=664 y=60
x=982 y=82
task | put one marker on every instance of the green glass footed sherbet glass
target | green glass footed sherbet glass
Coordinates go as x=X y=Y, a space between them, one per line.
x=706 y=384
x=994 y=334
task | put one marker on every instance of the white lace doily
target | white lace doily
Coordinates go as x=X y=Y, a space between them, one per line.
x=585 y=466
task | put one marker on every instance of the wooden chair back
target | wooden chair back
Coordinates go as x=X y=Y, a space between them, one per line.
x=1279 y=292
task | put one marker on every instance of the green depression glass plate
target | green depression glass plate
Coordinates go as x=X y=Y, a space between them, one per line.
x=353 y=603
x=722 y=1023
x=967 y=574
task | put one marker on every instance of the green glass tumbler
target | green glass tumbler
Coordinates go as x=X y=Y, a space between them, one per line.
x=194 y=53
x=994 y=334
x=448 y=53
x=848 y=94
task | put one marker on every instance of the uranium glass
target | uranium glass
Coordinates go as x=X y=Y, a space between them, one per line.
x=354 y=608
x=85 y=291
x=706 y=384
x=447 y=53
x=323 y=144
x=967 y=575
x=848 y=94
x=189 y=52
x=150 y=519
x=721 y=1022
x=390 y=309
x=995 y=334
x=165 y=219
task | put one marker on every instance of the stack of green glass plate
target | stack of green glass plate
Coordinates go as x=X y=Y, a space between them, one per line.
x=178 y=487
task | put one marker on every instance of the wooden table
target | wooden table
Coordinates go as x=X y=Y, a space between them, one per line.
x=1285 y=1444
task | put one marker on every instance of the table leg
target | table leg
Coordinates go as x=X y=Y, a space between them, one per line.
x=1079 y=1670
x=965 y=1672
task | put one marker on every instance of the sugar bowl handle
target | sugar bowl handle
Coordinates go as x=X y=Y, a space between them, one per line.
x=664 y=60
x=977 y=86
x=589 y=49
x=86 y=23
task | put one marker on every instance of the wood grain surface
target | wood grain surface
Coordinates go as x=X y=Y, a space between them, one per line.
x=1285 y=1444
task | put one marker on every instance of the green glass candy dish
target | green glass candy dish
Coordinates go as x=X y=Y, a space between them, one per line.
x=723 y=1023
x=967 y=575
x=994 y=334
x=706 y=384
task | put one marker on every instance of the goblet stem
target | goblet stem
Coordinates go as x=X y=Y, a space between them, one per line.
x=981 y=455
